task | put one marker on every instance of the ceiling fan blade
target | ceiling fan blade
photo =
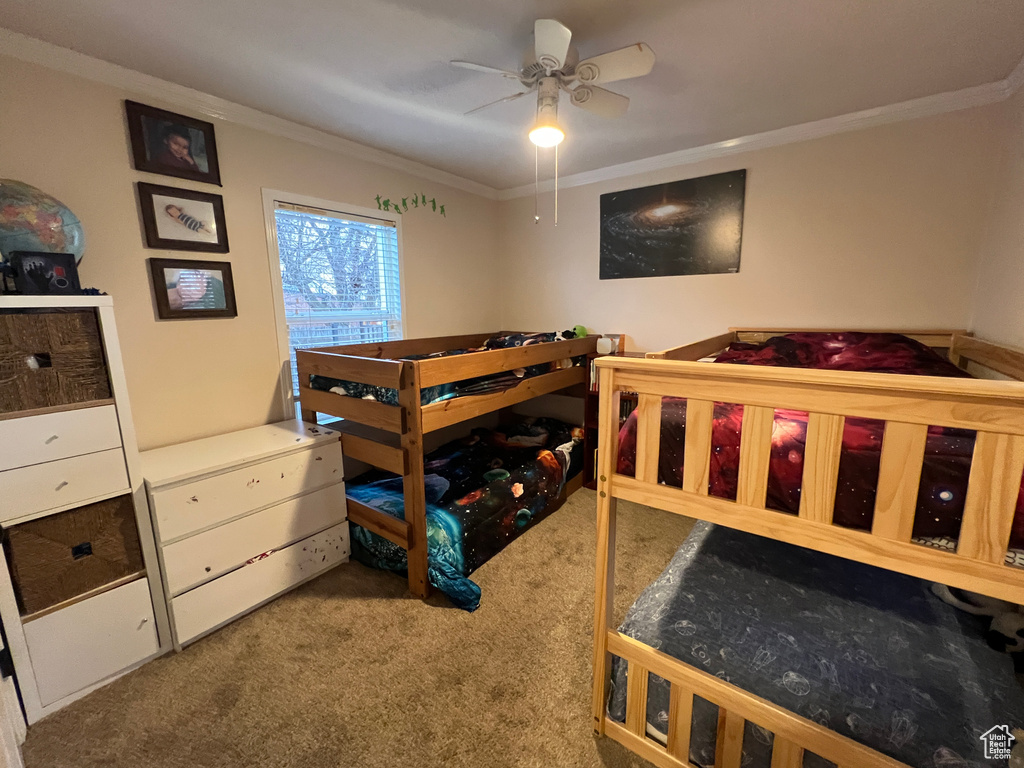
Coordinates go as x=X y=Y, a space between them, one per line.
x=634 y=61
x=551 y=43
x=513 y=97
x=483 y=68
x=599 y=101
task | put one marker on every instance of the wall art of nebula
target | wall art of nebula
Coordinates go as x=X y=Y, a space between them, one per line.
x=689 y=227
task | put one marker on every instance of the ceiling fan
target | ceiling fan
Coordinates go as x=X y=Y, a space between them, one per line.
x=552 y=65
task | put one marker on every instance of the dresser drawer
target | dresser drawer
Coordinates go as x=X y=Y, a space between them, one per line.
x=61 y=483
x=52 y=436
x=84 y=643
x=210 y=554
x=235 y=593
x=191 y=507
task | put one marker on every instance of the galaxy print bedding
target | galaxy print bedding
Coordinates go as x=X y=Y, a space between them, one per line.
x=483 y=492
x=948 y=451
x=480 y=385
x=869 y=653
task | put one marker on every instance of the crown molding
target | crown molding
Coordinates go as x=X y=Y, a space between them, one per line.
x=927 y=106
x=35 y=51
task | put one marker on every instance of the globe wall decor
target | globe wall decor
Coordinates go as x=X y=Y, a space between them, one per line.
x=31 y=220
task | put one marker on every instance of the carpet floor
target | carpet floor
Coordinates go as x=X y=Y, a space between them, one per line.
x=348 y=670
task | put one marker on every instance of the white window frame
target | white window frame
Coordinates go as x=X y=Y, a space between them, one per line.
x=271 y=197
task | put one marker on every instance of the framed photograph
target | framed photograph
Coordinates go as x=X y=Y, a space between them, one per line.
x=185 y=288
x=688 y=227
x=183 y=219
x=172 y=144
x=45 y=274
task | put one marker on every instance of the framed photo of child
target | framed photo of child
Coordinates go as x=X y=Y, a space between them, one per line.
x=182 y=219
x=185 y=288
x=172 y=144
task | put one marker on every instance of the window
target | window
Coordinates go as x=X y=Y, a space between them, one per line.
x=340 y=276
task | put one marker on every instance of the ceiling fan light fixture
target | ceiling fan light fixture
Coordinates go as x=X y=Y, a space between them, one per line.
x=547 y=134
x=551 y=65
x=546 y=131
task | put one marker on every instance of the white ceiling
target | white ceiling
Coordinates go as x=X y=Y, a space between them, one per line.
x=376 y=71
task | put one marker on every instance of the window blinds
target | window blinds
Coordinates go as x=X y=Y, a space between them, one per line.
x=340 y=275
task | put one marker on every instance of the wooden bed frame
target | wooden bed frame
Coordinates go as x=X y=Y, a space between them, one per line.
x=391 y=436
x=907 y=404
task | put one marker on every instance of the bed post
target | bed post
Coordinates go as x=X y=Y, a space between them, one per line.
x=604 y=579
x=412 y=482
x=307 y=415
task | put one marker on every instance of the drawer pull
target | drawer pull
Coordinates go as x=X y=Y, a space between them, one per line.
x=62 y=484
x=51 y=438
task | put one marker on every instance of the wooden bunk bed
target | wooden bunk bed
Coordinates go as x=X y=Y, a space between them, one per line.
x=907 y=404
x=390 y=437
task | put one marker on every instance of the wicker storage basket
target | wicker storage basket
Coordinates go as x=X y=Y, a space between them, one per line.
x=50 y=358
x=59 y=557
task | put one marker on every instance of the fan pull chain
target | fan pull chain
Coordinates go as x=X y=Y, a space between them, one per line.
x=556 y=185
x=536 y=184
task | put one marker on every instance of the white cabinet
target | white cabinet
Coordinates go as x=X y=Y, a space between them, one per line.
x=80 y=594
x=243 y=517
x=93 y=638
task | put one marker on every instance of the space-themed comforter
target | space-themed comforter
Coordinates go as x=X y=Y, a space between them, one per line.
x=948 y=451
x=866 y=652
x=479 y=385
x=483 y=492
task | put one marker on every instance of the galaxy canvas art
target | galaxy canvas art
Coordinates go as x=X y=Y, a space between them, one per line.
x=688 y=227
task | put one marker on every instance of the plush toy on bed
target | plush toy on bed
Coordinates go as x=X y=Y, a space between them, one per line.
x=1005 y=631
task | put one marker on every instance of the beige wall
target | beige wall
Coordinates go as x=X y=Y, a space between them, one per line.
x=879 y=227
x=891 y=226
x=999 y=304
x=188 y=379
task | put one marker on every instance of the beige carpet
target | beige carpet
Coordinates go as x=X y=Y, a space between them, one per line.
x=348 y=671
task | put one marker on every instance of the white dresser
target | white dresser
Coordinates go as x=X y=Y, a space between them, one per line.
x=241 y=518
x=80 y=594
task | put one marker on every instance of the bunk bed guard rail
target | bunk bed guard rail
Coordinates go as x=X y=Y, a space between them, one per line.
x=907 y=404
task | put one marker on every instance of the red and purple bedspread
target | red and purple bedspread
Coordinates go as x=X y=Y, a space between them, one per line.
x=947 y=462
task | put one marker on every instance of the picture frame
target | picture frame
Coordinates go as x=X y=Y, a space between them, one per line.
x=691 y=226
x=191 y=289
x=171 y=144
x=182 y=219
x=39 y=273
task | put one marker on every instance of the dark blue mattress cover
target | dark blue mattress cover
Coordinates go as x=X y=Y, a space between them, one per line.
x=869 y=653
